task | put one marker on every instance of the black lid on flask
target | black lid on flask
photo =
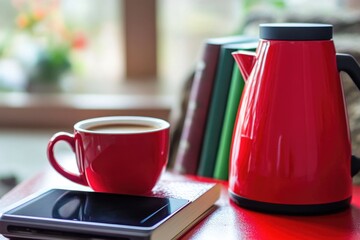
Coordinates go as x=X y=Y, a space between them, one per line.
x=296 y=31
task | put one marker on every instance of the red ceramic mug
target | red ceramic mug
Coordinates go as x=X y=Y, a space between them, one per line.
x=120 y=154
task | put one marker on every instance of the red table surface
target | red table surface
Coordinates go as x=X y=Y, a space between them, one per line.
x=229 y=221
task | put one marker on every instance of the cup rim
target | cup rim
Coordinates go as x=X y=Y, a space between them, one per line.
x=160 y=124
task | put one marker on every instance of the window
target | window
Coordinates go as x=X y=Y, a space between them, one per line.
x=99 y=66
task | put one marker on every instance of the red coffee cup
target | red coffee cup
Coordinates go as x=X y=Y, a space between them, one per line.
x=120 y=154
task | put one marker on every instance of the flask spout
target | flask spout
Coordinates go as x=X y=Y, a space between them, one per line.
x=245 y=61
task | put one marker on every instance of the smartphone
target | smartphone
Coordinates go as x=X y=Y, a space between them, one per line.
x=69 y=214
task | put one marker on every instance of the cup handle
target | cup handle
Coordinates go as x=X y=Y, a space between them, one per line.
x=68 y=138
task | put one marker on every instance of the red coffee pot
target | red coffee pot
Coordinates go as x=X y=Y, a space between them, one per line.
x=291 y=149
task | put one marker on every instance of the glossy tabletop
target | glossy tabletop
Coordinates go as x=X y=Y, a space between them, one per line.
x=228 y=221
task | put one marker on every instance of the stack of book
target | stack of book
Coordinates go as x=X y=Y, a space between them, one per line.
x=205 y=141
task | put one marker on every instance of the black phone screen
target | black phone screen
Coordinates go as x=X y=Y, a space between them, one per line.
x=99 y=207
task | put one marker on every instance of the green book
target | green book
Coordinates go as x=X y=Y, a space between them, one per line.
x=216 y=112
x=236 y=87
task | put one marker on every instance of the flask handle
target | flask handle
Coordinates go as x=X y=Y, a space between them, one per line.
x=348 y=64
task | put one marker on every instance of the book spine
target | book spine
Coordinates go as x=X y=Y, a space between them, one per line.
x=222 y=160
x=191 y=139
x=216 y=113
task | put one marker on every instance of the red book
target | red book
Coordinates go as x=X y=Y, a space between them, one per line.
x=188 y=153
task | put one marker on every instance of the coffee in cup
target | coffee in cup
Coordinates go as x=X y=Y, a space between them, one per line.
x=122 y=128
